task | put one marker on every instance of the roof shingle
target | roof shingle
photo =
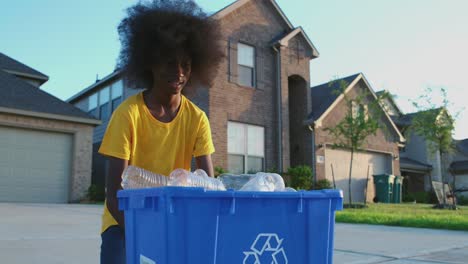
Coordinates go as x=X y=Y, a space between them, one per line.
x=10 y=64
x=18 y=94
x=324 y=95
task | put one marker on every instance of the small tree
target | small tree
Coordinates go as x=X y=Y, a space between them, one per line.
x=436 y=125
x=360 y=121
x=301 y=177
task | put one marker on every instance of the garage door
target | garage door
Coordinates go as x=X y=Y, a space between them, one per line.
x=379 y=164
x=35 y=166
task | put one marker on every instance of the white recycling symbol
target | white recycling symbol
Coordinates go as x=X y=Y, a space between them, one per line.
x=266 y=244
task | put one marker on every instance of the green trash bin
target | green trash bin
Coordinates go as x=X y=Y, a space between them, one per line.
x=397 y=186
x=383 y=188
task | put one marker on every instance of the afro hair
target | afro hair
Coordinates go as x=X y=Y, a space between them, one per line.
x=157 y=31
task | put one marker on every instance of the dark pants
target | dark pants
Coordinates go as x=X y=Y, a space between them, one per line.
x=113 y=246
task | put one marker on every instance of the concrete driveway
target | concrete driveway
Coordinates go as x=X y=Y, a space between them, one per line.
x=398 y=245
x=52 y=233
x=49 y=233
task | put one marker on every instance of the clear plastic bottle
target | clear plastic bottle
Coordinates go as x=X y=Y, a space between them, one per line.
x=198 y=178
x=134 y=178
x=265 y=182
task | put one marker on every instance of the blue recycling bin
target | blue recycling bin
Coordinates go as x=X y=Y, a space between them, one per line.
x=180 y=225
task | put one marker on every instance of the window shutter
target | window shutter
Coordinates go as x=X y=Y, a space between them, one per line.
x=260 y=68
x=354 y=109
x=232 y=60
x=366 y=112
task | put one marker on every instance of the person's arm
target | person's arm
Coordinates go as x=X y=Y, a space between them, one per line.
x=204 y=163
x=113 y=181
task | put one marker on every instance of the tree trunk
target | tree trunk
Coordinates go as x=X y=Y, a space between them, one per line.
x=350 y=177
x=367 y=185
x=442 y=171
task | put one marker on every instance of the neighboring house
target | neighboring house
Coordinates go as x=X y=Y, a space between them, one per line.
x=459 y=166
x=258 y=101
x=379 y=155
x=45 y=143
x=414 y=166
x=420 y=165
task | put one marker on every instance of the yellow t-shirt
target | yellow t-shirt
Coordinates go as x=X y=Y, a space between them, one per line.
x=135 y=135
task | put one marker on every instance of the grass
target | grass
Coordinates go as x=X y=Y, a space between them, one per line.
x=408 y=215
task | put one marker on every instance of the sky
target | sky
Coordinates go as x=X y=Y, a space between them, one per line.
x=399 y=45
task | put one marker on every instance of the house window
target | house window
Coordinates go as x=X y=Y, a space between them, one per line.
x=92 y=105
x=246 y=148
x=104 y=103
x=246 y=65
x=359 y=110
x=116 y=94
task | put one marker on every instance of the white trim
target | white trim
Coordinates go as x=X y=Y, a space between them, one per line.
x=402 y=138
x=235 y=5
x=392 y=101
x=285 y=40
x=330 y=146
x=318 y=122
x=50 y=116
x=341 y=96
x=27 y=75
x=91 y=87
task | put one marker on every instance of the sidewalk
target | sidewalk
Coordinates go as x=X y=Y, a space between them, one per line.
x=69 y=233
x=382 y=244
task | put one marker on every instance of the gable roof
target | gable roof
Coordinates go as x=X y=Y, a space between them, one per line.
x=20 y=97
x=407 y=119
x=284 y=41
x=15 y=67
x=326 y=99
x=235 y=5
x=325 y=94
x=391 y=100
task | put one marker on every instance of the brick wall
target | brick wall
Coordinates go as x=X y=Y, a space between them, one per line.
x=80 y=175
x=257 y=23
x=385 y=141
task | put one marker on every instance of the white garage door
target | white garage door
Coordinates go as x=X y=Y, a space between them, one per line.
x=379 y=164
x=35 y=166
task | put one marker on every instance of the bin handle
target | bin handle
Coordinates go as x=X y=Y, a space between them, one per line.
x=300 y=205
x=232 y=208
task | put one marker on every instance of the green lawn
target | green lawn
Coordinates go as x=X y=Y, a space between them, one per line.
x=409 y=215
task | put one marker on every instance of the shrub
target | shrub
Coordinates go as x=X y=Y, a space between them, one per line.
x=96 y=193
x=301 y=177
x=462 y=200
x=323 y=184
x=219 y=170
x=420 y=197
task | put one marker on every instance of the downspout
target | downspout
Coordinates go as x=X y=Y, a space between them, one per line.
x=277 y=49
x=314 y=166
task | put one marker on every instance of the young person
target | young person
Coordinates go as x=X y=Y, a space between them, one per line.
x=167 y=46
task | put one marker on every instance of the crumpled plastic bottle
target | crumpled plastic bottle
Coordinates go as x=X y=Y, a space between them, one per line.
x=198 y=178
x=265 y=182
x=135 y=178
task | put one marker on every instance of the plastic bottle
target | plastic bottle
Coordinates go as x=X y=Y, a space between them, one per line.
x=134 y=178
x=265 y=182
x=198 y=178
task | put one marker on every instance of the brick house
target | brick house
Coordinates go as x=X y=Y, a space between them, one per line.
x=45 y=143
x=258 y=101
x=380 y=154
x=419 y=165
